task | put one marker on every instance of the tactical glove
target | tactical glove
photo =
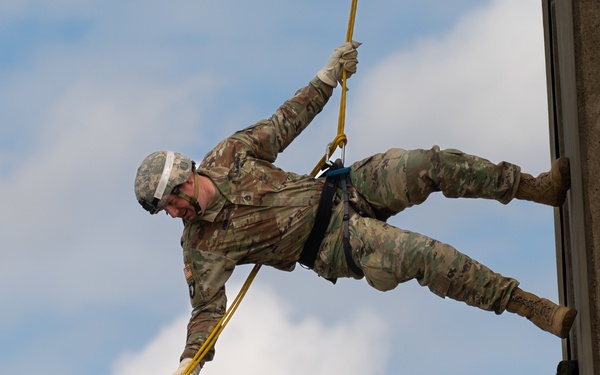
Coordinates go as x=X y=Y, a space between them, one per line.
x=183 y=365
x=343 y=57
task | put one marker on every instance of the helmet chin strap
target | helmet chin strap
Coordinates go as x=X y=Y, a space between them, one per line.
x=195 y=202
x=191 y=200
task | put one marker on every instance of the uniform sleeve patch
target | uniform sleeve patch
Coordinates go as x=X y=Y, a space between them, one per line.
x=187 y=271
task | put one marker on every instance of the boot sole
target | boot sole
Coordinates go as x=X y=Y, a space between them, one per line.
x=567 y=323
x=563 y=167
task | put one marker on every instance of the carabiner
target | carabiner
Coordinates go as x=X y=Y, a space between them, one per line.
x=327 y=161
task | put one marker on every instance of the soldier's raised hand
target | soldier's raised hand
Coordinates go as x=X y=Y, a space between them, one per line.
x=343 y=57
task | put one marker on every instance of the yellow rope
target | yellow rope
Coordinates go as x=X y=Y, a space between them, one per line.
x=212 y=338
x=339 y=141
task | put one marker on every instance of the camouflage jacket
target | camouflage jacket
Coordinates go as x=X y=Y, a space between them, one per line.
x=262 y=214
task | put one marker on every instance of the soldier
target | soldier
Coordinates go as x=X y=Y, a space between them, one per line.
x=238 y=208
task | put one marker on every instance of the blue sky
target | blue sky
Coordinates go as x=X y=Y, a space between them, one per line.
x=90 y=283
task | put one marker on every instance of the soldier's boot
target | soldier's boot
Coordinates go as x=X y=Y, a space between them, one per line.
x=543 y=313
x=548 y=188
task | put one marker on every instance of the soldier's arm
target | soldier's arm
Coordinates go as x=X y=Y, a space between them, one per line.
x=206 y=276
x=271 y=136
x=202 y=322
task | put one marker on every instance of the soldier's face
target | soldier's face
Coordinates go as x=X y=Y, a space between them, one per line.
x=177 y=207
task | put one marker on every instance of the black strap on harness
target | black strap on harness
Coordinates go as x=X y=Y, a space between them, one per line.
x=336 y=175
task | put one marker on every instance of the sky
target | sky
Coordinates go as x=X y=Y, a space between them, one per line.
x=90 y=283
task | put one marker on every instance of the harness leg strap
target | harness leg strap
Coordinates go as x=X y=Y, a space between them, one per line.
x=346 y=240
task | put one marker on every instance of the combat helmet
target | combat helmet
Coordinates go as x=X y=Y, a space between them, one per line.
x=158 y=176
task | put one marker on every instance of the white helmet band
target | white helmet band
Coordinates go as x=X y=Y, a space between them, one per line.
x=166 y=174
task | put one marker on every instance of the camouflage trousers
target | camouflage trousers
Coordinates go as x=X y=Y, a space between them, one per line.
x=388 y=256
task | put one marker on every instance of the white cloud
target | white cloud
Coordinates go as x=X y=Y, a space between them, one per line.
x=263 y=338
x=480 y=87
x=160 y=356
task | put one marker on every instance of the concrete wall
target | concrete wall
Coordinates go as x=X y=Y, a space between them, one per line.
x=572 y=34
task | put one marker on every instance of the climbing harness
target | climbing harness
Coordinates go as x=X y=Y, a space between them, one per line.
x=339 y=141
x=336 y=177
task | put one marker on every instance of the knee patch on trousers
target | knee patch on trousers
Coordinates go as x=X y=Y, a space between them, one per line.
x=440 y=285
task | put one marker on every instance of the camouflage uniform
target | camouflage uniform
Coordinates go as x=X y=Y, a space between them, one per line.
x=263 y=215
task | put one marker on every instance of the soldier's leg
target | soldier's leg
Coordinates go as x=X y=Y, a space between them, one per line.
x=389 y=256
x=399 y=178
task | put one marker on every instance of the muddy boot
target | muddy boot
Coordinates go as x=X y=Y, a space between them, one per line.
x=548 y=188
x=542 y=312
